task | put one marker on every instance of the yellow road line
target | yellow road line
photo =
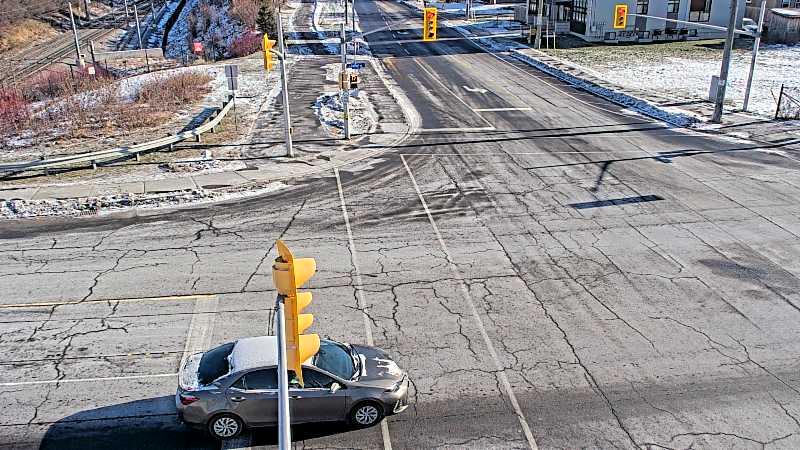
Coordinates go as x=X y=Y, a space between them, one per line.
x=119 y=300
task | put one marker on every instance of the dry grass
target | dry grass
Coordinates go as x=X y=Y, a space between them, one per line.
x=167 y=92
x=91 y=108
x=25 y=32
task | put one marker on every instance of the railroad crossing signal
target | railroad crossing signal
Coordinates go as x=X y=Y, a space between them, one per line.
x=620 y=16
x=289 y=273
x=429 y=24
x=267 y=48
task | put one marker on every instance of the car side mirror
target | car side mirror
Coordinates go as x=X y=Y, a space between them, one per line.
x=335 y=387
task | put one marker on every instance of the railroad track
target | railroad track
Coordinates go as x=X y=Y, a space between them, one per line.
x=42 y=56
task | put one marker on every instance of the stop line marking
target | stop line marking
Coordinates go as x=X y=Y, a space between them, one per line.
x=88 y=380
x=107 y=300
x=387 y=441
x=501 y=373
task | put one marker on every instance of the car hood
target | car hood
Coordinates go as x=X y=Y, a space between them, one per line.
x=378 y=368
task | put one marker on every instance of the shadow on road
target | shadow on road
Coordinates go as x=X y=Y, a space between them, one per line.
x=153 y=424
x=149 y=423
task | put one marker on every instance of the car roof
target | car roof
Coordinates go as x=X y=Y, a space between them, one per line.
x=252 y=352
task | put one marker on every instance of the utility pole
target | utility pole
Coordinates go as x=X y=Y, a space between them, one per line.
x=539 y=10
x=86 y=6
x=726 y=63
x=345 y=94
x=127 y=16
x=353 y=11
x=139 y=34
x=756 y=43
x=284 y=421
x=287 y=128
x=468 y=9
x=78 y=58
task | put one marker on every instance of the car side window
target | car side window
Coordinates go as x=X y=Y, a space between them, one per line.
x=258 y=380
x=240 y=384
x=316 y=380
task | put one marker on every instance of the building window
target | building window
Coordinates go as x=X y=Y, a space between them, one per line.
x=673 y=6
x=641 y=6
x=579 y=11
x=786 y=4
x=699 y=10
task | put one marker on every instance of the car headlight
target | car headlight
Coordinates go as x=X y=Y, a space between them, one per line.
x=396 y=387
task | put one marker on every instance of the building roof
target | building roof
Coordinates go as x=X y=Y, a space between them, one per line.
x=786 y=12
x=253 y=352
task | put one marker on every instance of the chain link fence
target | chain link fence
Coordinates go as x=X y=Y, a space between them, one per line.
x=788 y=103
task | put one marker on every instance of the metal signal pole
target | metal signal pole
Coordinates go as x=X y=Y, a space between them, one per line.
x=539 y=14
x=345 y=94
x=284 y=419
x=756 y=43
x=726 y=63
x=287 y=119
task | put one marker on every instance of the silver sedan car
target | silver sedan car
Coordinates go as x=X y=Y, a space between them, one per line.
x=235 y=386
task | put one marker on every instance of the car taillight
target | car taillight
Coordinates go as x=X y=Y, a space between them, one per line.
x=188 y=399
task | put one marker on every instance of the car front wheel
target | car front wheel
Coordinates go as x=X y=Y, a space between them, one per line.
x=225 y=426
x=366 y=414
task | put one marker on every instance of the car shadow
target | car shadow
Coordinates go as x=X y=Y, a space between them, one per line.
x=150 y=423
x=153 y=424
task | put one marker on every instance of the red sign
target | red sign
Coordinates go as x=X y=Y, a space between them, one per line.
x=197 y=47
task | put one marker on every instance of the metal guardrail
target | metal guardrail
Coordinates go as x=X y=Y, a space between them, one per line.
x=94 y=158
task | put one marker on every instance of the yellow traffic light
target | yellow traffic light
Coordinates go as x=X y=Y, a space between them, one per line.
x=620 y=16
x=267 y=48
x=289 y=273
x=429 y=24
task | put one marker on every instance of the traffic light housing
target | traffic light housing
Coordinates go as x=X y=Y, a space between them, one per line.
x=267 y=49
x=353 y=81
x=289 y=273
x=620 y=16
x=429 y=24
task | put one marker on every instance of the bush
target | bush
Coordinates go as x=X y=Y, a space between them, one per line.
x=174 y=90
x=245 y=11
x=246 y=44
x=15 y=111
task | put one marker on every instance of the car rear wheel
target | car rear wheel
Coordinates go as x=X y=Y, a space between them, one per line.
x=366 y=414
x=225 y=426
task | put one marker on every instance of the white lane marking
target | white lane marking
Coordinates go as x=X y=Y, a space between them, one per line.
x=444 y=130
x=478 y=90
x=501 y=374
x=90 y=380
x=522 y=108
x=387 y=442
x=106 y=300
x=456 y=96
x=198 y=337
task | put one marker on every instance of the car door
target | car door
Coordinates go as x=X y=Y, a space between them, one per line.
x=315 y=402
x=254 y=397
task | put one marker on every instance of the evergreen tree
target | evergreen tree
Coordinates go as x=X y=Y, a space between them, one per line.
x=266 y=19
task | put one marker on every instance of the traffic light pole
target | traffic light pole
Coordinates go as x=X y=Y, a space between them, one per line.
x=726 y=64
x=284 y=420
x=287 y=119
x=345 y=94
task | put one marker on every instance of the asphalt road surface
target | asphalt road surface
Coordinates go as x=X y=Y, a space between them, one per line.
x=552 y=270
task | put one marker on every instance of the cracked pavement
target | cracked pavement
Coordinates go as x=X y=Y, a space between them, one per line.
x=670 y=323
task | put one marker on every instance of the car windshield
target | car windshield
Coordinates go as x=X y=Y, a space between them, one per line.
x=335 y=358
x=214 y=363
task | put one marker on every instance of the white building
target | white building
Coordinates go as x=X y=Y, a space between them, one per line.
x=592 y=20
